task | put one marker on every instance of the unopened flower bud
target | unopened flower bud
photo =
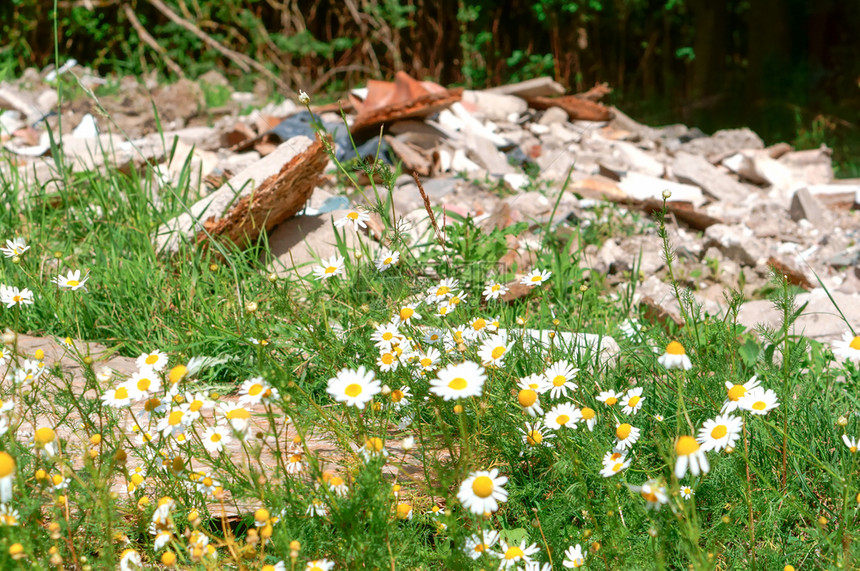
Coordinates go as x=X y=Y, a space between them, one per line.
x=304 y=99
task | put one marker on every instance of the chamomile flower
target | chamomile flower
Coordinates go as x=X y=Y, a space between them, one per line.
x=316 y=509
x=736 y=393
x=626 y=435
x=236 y=416
x=610 y=398
x=337 y=485
x=851 y=443
x=686 y=492
x=848 y=347
x=330 y=268
x=632 y=401
x=479 y=543
x=513 y=555
x=7 y=476
x=261 y=342
x=355 y=218
x=614 y=462
x=535 y=434
x=494 y=290
x=154 y=360
x=404 y=511
x=400 y=397
x=373 y=447
x=589 y=416
x=319 y=565
x=12 y=296
x=477 y=327
x=407 y=314
x=445 y=308
x=256 y=390
x=759 y=401
x=493 y=350
x=194 y=404
x=441 y=292
x=482 y=491
x=720 y=432
x=174 y=422
x=162 y=538
x=433 y=336
x=653 y=492
x=72 y=280
x=386 y=259
x=690 y=454
x=560 y=377
x=386 y=336
x=529 y=402
x=45 y=438
x=118 y=397
x=459 y=380
x=142 y=384
x=354 y=387
x=535 y=277
x=14 y=247
x=675 y=357
x=9 y=516
x=429 y=360
x=573 y=557
x=130 y=560
x=296 y=463
x=537 y=383
x=562 y=415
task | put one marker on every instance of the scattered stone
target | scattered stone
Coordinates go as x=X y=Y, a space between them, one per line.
x=723 y=142
x=814 y=166
x=495 y=106
x=644 y=187
x=179 y=101
x=576 y=108
x=695 y=169
x=806 y=206
x=537 y=87
x=736 y=242
x=302 y=241
x=553 y=115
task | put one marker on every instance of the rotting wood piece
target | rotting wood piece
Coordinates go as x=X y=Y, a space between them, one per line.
x=277 y=198
x=578 y=109
x=422 y=106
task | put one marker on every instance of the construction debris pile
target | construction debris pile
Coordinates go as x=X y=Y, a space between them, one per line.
x=501 y=156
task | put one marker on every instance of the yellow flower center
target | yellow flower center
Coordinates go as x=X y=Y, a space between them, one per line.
x=759 y=405
x=458 y=384
x=527 y=397
x=443 y=291
x=216 y=437
x=853 y=449
x=336 y=481
x=255 y=389
x=855 y=343
x=559 y=380
x=562 y=419
x=73 y=283
x=480 y=548
x=330 y=270
x=136 y=479
x=241 y=413
x=498 y=352
x=479 y=324
x=175 y=418
x=719 y=431
x=426 y=361
x=482 y=486
x=387 y=336
x=588 y=413
x=45 y=435
x=611 y=401
x=121 y=393
x=633 y=401
x=144 y=384
x=617 y=467
x=514 y=553
x=7 y=465
x=403 y=510
x=177 y=372
x=353 y=390
x=374 y=444
x=496 y=287
x=195 y=406
x=736 y=392
x=534 y=437
x=295 y=458
x=386 y=261
x=623 y=431
x=151 y=359
x=387 y=359
x=406 y=313
x=152 y=404
x=397 y=395
x=649 y=496
x=352 y=216
x=686 y=445
x=536 y=279
x=16 y=299
x=675 y=348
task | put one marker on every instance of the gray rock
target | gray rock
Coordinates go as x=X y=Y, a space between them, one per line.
x=301 y=241
x=695 y=169
x=179 y=101
x=814 y=166
x=643 y=187
x=495 y=106
x=553 y=115
x=737 y=242
x=722 y=142
x=637 y=160
x=804 y=205
x=819 y=321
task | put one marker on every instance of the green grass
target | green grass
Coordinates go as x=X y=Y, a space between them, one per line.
x=787 y=494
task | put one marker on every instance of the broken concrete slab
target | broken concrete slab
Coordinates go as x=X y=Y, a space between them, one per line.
x=537 y=87
x=495 y=106
x=695 y=169
x=577 y=109
x=819 y=321
x=722 y=142
x=287 y=176
x=736 y=242
x=806 y=206
x=303 y=240
x=644 y=187
x=813 y=166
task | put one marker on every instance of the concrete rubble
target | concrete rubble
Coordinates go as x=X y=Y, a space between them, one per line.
x=737 y=209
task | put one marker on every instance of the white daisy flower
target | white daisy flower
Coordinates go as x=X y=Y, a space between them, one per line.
x=529 y=402
x=562 y=415
x=653 y=492
x=7 y=476
x=534 y=434
x=848 y=347
x=573 y=557
x=153 y=361
x=493 y=350
x=319 y=565
x=494 y=290
x=407 y=314
x=15 y=247
x=560 y=377
x=354 y=387
x=690 y=454
x=118 y=397
x=442 y=292
x=759 y=401
x=482 y=491
x=720 y=432
x=736 y=393
x=256 y=390
x=610 y=398
x=675 y=357
x=460 y=380
x=480 y=543
x=614 y=462
x=429 y=360
x=12 y=296
x=626 y=435
x=329 y=268
x=373 y=447
x=686 y=492
x=632 y=401
x=536 y=382
x=386 y=336
x=142 y=384
x=535 y=277
x=386 y=259
x=513 y=555
x=296 y=463
x=589 y=416
x=356 y=218
x=72 y=280
x=215 y=438
x=851 y=443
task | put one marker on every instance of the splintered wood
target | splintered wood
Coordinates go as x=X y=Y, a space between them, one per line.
x=277 y=198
